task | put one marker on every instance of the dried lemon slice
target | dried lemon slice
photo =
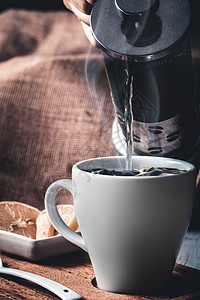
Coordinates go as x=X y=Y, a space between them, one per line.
x=67 y=213
x=44 y=227
x=19 y=218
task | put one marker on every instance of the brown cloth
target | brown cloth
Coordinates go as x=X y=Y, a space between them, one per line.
x=50 y=117
x=55 y=105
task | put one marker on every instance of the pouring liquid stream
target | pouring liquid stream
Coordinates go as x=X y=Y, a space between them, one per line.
x=128 y=118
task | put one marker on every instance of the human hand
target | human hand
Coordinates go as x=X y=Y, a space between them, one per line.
x=82 y=9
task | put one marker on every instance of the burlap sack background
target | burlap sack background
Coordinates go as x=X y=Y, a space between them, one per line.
x=49 y=119
x=49 y=116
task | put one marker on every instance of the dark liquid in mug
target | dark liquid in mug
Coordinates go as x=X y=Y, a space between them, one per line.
x=149 y=171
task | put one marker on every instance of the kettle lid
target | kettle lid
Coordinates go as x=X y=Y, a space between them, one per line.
x=139 y=30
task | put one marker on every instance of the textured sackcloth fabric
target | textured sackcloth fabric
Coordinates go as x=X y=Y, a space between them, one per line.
x=52 y=112
x=50 y=117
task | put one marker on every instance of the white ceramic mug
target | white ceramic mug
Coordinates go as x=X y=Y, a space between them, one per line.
x=132 y=227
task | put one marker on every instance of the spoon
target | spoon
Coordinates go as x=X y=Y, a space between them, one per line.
x=58 y=289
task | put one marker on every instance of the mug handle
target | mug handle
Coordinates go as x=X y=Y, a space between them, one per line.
x=54 y=217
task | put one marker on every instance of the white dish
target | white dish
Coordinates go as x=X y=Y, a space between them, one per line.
x=34 y=249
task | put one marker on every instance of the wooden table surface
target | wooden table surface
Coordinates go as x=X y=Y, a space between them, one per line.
x=75 y=271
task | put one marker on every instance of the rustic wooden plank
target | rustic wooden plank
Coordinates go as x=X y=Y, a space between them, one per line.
x=190 y=251
x=75 y=271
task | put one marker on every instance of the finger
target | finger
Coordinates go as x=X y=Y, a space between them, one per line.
x=81 y=5
x=91 y=1
x=88 y=33
x=80 y=15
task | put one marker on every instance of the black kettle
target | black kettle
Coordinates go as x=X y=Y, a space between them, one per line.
x=149 y=68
